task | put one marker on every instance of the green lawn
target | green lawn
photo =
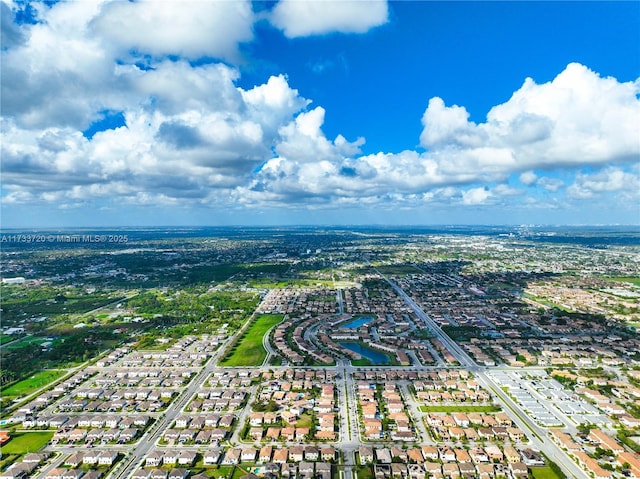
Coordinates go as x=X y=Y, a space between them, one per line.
x=626 y=279
x=7 y=338
x=461 y=408
x=249 y=350
x=364 y=472
x=23 y=342
x=398 y=269
x=543 y=472
x=213 y=471
x=276 y=361
x=360 y=362
x=240 y=471
x=305 y=420
x=32 y=384
x=27 y=442
x=268 y=284
x=296 y=282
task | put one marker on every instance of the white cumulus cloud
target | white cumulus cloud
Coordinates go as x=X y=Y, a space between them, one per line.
x=608 y=180
x=192 y=136
x=191 y=29
x=577 y=118
x=316 y=17
x=528 y=178
x=476 y=196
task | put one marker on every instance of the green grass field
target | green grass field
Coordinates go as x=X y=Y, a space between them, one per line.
x=5 y=338
x=25 y=341
x=305 y=420
x=365 y=472
x=32 y=384
x=398 y=269
x=212 y=471
x=543 y=473
x=477 y=409
x=632 y=280
x=360 y=362
x=27 y=442
x=249 y=350
x=301 y=283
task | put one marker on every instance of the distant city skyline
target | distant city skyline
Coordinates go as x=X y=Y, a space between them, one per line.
x=319 y=112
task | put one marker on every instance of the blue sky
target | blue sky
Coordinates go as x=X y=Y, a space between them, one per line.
x=302 y=112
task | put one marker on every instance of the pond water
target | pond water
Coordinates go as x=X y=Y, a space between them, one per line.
x=356 y=323
x=376 y=357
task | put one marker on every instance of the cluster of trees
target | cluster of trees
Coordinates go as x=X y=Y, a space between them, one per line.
x=69 y=347
x=20 y=303
x=193 y=305
x=270 y=406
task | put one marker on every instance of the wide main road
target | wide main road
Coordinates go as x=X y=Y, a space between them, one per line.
x=539 y=435
x=461 y=356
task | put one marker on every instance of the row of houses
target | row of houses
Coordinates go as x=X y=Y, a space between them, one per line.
x=66 y=422
x=190 y=435
x=452 y=470
x=299 y=374
x=217 y=405
x=63 y=473
x=89 y=437
x=77 y=466
x=274 y=433
x=233 y=379
x=164 y=457
x=230 y=394
x=153 y=403
x=477 y=455
x=591 y=465
x=456 y=375
x=481 y=433
x=462 y=419
x=92 y=457
x=188 y=352
x=45 y=400
x=278 y=455
x=26 y=467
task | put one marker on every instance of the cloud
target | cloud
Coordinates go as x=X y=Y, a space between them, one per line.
x=177 y=152
x=578 y=118
x=11 y=34
x=550 y=184
x=516 y=139
x=448 y=126
x=476 y=196
x=192 y=136
x=81 y=59
x=609 y=180
x=57 y=73
x=317 y=17
x=531 y=179
x=190 y=29
x=302 y=140
x=506 y=190
x=528 y=178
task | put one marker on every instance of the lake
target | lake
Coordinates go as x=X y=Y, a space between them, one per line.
x=356 y=323
x=376 y=357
